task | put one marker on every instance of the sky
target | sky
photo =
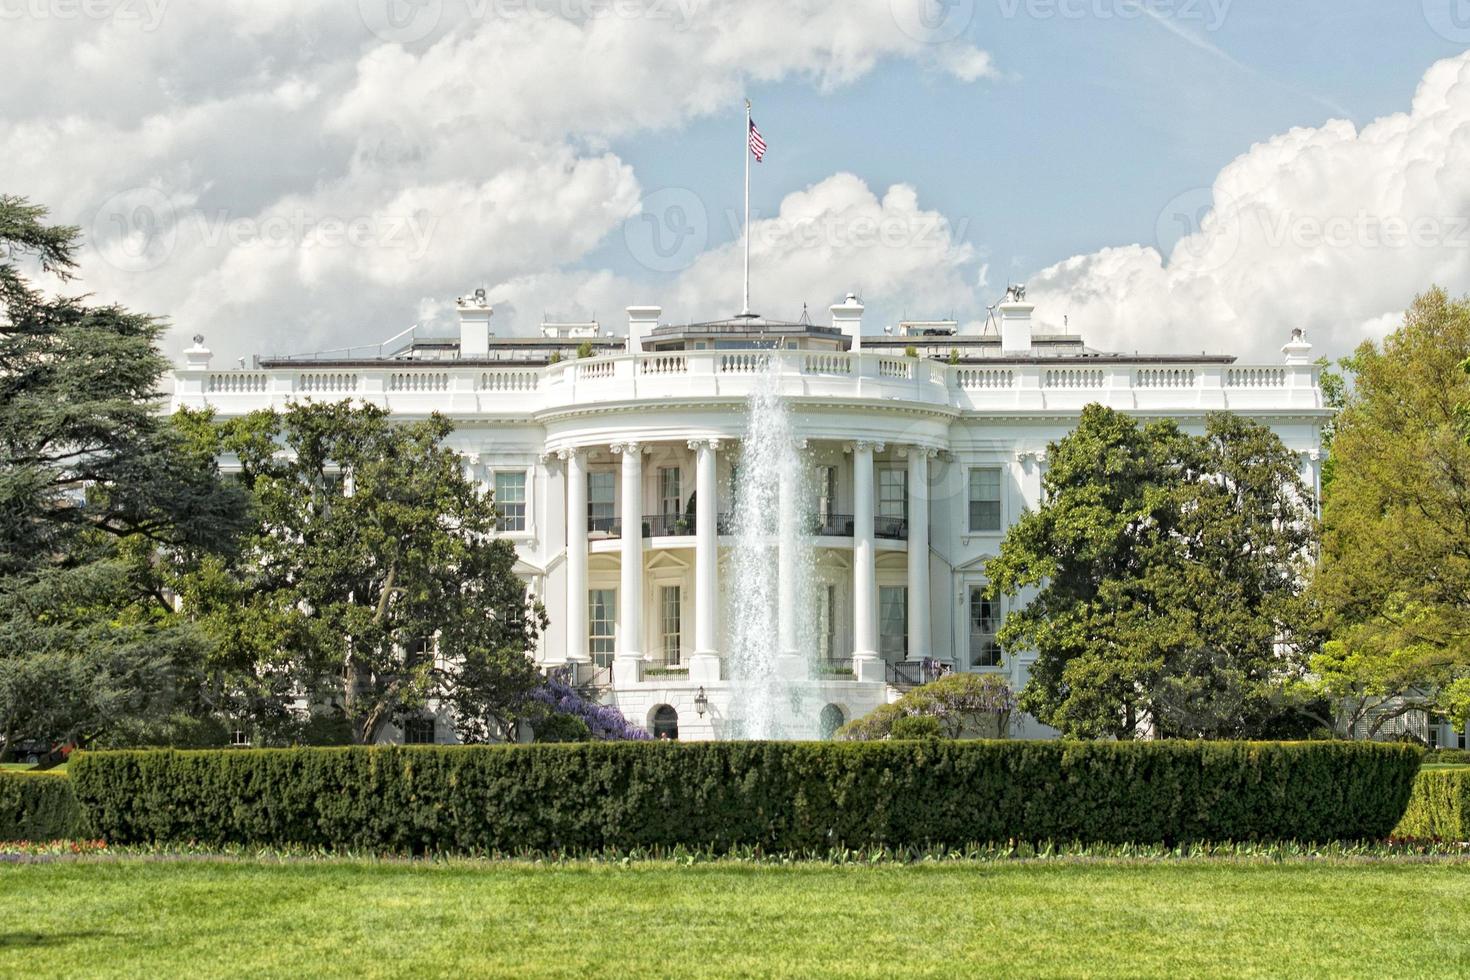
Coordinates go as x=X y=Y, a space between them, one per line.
x=1166 y=176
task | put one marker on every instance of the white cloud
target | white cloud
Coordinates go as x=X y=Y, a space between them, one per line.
x=282 y=175
x=1330 y=229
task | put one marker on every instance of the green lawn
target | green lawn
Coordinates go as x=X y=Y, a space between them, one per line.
x=215 y=918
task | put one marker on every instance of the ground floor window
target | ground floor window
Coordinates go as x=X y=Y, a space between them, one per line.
x=601 y=626
x=826 y=621
x=984 y=621
x=671 y=597
x=893 y=622
x=831 y=720
x=418 y=731
x=665 y=723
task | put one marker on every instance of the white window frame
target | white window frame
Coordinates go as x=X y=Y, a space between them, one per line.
x=602 y=646
x=888 y=476
x=593 y=515
x=891 y=647
x=971 y=499
x=671 y=641
x=505 y=523
x=973 y=593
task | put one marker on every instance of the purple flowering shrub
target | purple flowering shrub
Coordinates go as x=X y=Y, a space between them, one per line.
x=973 y=705
x=605 y=722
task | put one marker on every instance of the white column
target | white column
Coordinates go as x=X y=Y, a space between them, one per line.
x=918 y=506
x=866 y=663
x=627 y=666
x=575 y=468
x=705 y=664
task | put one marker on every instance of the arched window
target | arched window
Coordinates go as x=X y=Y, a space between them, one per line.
x=831 y=720
x=665 y=722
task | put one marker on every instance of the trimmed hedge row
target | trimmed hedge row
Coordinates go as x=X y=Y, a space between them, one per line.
x=781 y=796
x=1439 y=807
x=37 y=806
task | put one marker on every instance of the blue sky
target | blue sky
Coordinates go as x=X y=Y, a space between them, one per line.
x=1166 y=175
x=1093 y=127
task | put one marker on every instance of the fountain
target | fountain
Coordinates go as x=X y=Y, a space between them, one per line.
x=772 y=632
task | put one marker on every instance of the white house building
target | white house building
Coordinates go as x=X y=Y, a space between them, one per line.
x=613 y=473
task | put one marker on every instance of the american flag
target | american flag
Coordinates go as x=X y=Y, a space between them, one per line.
x=757 y=144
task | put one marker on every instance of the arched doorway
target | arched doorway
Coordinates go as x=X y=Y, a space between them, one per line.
x=665 y=724
x=831 y=720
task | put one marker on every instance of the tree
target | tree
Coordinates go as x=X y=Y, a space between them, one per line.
x=1393 y=582
x=97 y=493
x=955 y=706
x=1169 y=573
x=373 y=579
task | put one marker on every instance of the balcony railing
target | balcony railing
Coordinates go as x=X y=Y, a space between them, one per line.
x=891 y=528
x=669 y=525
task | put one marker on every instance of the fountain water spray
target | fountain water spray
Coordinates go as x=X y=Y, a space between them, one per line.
x=769 y=609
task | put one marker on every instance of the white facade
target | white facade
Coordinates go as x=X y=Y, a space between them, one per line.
x=614 y=471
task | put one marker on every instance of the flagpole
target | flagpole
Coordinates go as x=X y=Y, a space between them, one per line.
x=745 y=148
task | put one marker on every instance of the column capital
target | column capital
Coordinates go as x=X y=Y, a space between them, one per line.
x=926 y=452
x=630 y=448
x=566 y=454
x=864 y=445
x=697 y=444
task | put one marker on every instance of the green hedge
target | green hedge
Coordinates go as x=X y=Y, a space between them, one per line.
x=1439 y=807
x=37 y=806
x=1451 y=756
x=780 y=796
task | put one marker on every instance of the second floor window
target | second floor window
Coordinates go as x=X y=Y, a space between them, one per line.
x=893 y=494
x=985 y=498
x=826 y=492
x=601 y=500
x=671 y=499
x=510 y=501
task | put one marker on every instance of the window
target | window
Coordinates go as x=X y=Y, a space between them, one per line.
x=985 y=498
x=510 y=501
x=893 y=493
x=418 y=731
x=984 y=621
x=673 y=636
x=826 y=620
x=601 y=500
x=601 y=638
x=665 y=723
x=826 y=493
x=893 y=622
x=830 y=720
x=671 y=498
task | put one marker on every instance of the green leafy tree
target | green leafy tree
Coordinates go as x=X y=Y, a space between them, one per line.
x=1394 y=577
x=373 y=581
x=1168 y=572
x=97 y=493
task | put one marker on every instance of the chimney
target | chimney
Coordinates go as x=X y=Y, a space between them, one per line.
x=641 y=321
x=847 y=316
x=1297 y=350
x=474 y=325
x=196 y=358
x=1015 y=322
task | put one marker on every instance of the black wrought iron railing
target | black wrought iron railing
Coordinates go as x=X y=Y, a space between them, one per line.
x=591 y=676
x=833 y=525
x=668 y=525
x=891 y=528
x=835 y=667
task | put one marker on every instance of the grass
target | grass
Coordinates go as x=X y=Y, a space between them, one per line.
x=137 y=917
x=27 y=767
